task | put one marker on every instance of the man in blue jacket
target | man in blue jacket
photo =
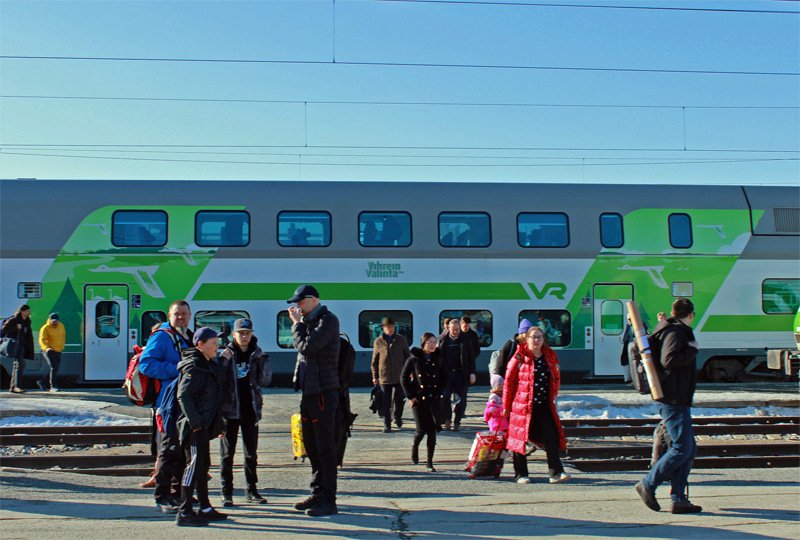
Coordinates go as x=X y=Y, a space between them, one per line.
x=159 y=360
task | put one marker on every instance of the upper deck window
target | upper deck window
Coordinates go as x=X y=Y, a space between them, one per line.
x=304 y=229
x=465 y=229
x=139 y=228
x=384 y=229
x=680 y=231
x=611 y=232
x=543 y=229
x=222 y=228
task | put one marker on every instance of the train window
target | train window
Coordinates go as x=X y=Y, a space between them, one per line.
x=542 y=229
x=150 y=320
x=611 y=233
x=304 y=229
x=221 y=228
x=106 y=319
x=465 y=229
x=139 y=228
x=30 y=289
x=612 y=318
x=369 y=326
x=556 y=324
x=221 y=321
x=680 y=231
x=780 y=295
x=384 y=229
x=481 y=322
x=285 y=330
x=682 y=288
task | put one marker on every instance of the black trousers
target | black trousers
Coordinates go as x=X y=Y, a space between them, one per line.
x=53 y=359
x=195 y=474
x=227 y=448
x=393 y=403
x=169 y=464
x=425 y=422
x=455 y=384
x=543 y=427
x=318 y=413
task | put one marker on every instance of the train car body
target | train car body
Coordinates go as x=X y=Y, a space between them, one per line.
x=110 y=256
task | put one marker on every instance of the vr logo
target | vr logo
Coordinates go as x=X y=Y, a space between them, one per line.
x=556 y=289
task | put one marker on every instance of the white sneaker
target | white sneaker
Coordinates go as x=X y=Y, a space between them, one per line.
x=523 y=480
x=560 y=477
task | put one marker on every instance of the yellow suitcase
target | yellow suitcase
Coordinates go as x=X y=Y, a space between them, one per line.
x=298 y=448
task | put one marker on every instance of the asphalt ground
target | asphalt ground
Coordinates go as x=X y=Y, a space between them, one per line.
x=383 y=495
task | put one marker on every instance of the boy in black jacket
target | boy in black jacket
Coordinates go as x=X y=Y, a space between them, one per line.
x=199 y=420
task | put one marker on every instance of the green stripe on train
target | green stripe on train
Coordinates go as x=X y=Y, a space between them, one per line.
x=748 y=323
x=365 y=291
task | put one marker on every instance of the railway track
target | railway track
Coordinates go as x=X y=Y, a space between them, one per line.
x=589 y=450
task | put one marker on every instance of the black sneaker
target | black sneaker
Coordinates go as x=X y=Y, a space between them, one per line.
x=399 y=423
x=685 y=507
x=306 y=504
x=415 y=455
x=648 y=497
x=166 y=506
x=457 y=426
x=254 y=497
x=190 y=520
x=210 y=514
x=322 y=509
x=227 y=501
x=387 y=429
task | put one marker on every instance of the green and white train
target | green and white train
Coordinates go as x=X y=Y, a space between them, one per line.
x=110 y=256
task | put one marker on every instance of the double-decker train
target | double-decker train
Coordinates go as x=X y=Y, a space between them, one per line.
x=110 y=256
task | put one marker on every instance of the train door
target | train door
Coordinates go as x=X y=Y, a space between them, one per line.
x=609 y=324
x=105 y=332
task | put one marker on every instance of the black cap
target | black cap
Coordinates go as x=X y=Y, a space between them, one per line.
x=303 y=291
x=204 y=334
x=53 y=317
x=243 y=324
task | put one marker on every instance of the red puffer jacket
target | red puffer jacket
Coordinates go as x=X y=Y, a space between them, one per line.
x=518 y=396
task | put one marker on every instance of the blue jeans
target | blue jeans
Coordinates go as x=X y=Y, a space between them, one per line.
x=676 y=463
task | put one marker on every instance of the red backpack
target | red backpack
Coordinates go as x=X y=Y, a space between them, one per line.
x=140 y=389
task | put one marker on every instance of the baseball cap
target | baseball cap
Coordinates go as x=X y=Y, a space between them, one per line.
x=204 y=334
x=303 y=291
x=243 y=324
x=53 y=317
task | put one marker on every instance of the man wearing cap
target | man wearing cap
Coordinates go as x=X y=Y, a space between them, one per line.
x=315 y=333
x=52 y=339
x=198 y=421
x=389 y=354
x=243 y=370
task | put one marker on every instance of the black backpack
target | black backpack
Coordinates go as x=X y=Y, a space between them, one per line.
x=347 y=361
x=638 y=375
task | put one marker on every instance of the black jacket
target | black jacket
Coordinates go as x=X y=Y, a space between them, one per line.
x=23 y=335
x=506 y=352
x=423 y=378
x=259 y=374
x=468 y=355
x=317 y=344
x=678 y=362
x=198 y=395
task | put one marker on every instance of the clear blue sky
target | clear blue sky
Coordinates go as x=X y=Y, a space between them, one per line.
x=374 y=90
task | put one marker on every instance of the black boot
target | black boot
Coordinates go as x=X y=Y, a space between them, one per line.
x=415 y=453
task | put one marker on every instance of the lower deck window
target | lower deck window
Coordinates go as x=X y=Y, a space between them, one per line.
x=556 y=324
x=369 y=326
x=221 y=321
x=481 y=322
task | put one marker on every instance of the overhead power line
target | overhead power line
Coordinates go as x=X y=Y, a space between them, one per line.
x=391 y=103
x=398 y=64
x=587 y=6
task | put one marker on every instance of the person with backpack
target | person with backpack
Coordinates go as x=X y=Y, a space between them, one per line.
x=243 y=370
x=199 y=420
x=159 y=360
x=678 y=375
x=52 y=339
x=17 y=331
x=389 y=353
x=423 y=378
x=500 y=358
x=315 y=334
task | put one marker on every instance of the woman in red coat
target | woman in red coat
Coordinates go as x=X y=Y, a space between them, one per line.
x=529 y=397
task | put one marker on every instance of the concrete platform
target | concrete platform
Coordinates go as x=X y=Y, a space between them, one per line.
x=382 y=495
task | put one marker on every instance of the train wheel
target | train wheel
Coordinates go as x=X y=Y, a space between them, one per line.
x=724 y=369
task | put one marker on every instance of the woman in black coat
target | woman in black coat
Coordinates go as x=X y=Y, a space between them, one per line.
x=422 y=379
x=19 y=327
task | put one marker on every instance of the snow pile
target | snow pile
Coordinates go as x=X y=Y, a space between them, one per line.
x=62 y=412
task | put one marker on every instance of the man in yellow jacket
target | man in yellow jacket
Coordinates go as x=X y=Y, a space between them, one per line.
x=52 y=338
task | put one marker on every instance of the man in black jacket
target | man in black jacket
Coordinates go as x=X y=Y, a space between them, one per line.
x=315 y=332
x=458 y=357
x=678 y=380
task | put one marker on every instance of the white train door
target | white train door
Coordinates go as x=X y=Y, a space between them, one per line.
x=609 y=324
x=105 y=332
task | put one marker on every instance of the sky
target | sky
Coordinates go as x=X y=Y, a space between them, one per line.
x=595 y=91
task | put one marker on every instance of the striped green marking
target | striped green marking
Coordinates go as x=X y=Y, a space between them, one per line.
x=365 y=291
x=748 y=323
